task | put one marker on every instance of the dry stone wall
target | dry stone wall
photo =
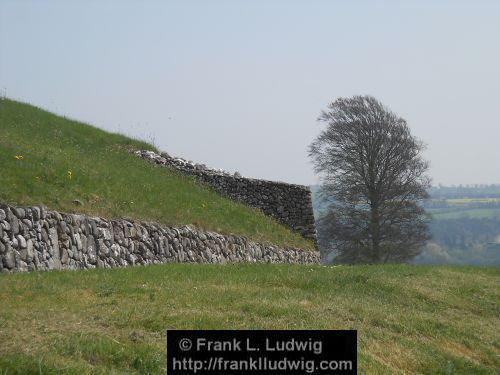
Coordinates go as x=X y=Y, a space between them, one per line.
x=289 y=204
x=33 y=238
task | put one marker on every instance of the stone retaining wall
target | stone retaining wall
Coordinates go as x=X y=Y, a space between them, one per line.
x=289 y=204
x=32 y=238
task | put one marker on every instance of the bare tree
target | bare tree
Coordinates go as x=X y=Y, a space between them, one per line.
x=373 y=178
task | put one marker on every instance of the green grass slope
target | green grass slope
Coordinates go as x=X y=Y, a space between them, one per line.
x=410 y=319
x=51 y=160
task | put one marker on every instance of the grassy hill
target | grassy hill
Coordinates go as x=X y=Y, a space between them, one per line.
x=74 y=167
x=410 y=319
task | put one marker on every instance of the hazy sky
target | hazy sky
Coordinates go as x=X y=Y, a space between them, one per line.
x=238 y=85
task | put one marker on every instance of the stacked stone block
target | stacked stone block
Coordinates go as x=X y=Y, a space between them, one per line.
x=33 y=238
x=290 y=205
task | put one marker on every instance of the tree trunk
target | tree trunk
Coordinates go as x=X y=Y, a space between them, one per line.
x=375 y=233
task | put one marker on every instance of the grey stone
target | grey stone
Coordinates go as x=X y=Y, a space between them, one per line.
x=14 y=225
x=78 y=241
x=104 y=233
x=29 y=249
x=54 y=239
x=44 y=235
x=115 y=251
x=22 y=241
x=6 y=226
x=93 y=228
x=102 y=249
x=23 y=254
x=19 y=212
x=64 y=256
x=43 y=211
x=9 y=260
x=27 y=223
x=36 y=213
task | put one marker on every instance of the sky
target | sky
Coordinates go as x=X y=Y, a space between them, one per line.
x=239 y=85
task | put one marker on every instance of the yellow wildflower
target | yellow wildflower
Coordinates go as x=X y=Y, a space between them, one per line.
x=18 y=157
x=70 y=175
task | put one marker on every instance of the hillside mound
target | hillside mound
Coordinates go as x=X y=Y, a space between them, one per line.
x=70 y=166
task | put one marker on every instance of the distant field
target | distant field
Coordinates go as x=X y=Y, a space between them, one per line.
x=410 y=319
x=479 y=213
x=465 y=192
x=472 y=200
